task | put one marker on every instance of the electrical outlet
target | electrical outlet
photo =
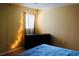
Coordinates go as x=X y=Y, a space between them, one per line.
x=63 y=42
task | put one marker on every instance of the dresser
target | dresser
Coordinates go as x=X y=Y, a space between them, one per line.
x=32 y=40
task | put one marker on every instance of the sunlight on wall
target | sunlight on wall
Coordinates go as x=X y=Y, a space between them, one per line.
x=19 y=35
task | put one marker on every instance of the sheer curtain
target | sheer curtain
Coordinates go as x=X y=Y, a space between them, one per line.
x=29 y=23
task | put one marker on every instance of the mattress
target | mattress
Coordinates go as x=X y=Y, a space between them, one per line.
x=48 y=50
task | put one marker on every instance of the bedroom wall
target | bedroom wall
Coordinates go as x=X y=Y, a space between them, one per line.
x=3 y=28
x=62 y=23
x=10 y=19
x=9 y=25
x=13 y=24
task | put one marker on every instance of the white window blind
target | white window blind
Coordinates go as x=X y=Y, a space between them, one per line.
x=30 y=19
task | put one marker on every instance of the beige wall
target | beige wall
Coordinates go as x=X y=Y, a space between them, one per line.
x=3 y=27
x=13 y=24
x=62 y=23
x=10 y=16
x=9 y=25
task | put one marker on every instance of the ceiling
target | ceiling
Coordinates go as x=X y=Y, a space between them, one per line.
x=44 y=5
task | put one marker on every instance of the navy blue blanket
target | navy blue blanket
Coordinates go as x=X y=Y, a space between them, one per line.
x=48 y=50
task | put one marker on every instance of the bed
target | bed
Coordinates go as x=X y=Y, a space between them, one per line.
x=48 y=50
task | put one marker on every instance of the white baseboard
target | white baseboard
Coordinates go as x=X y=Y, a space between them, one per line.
x=9 y=51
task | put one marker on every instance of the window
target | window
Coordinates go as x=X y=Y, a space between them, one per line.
x=29 y=23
